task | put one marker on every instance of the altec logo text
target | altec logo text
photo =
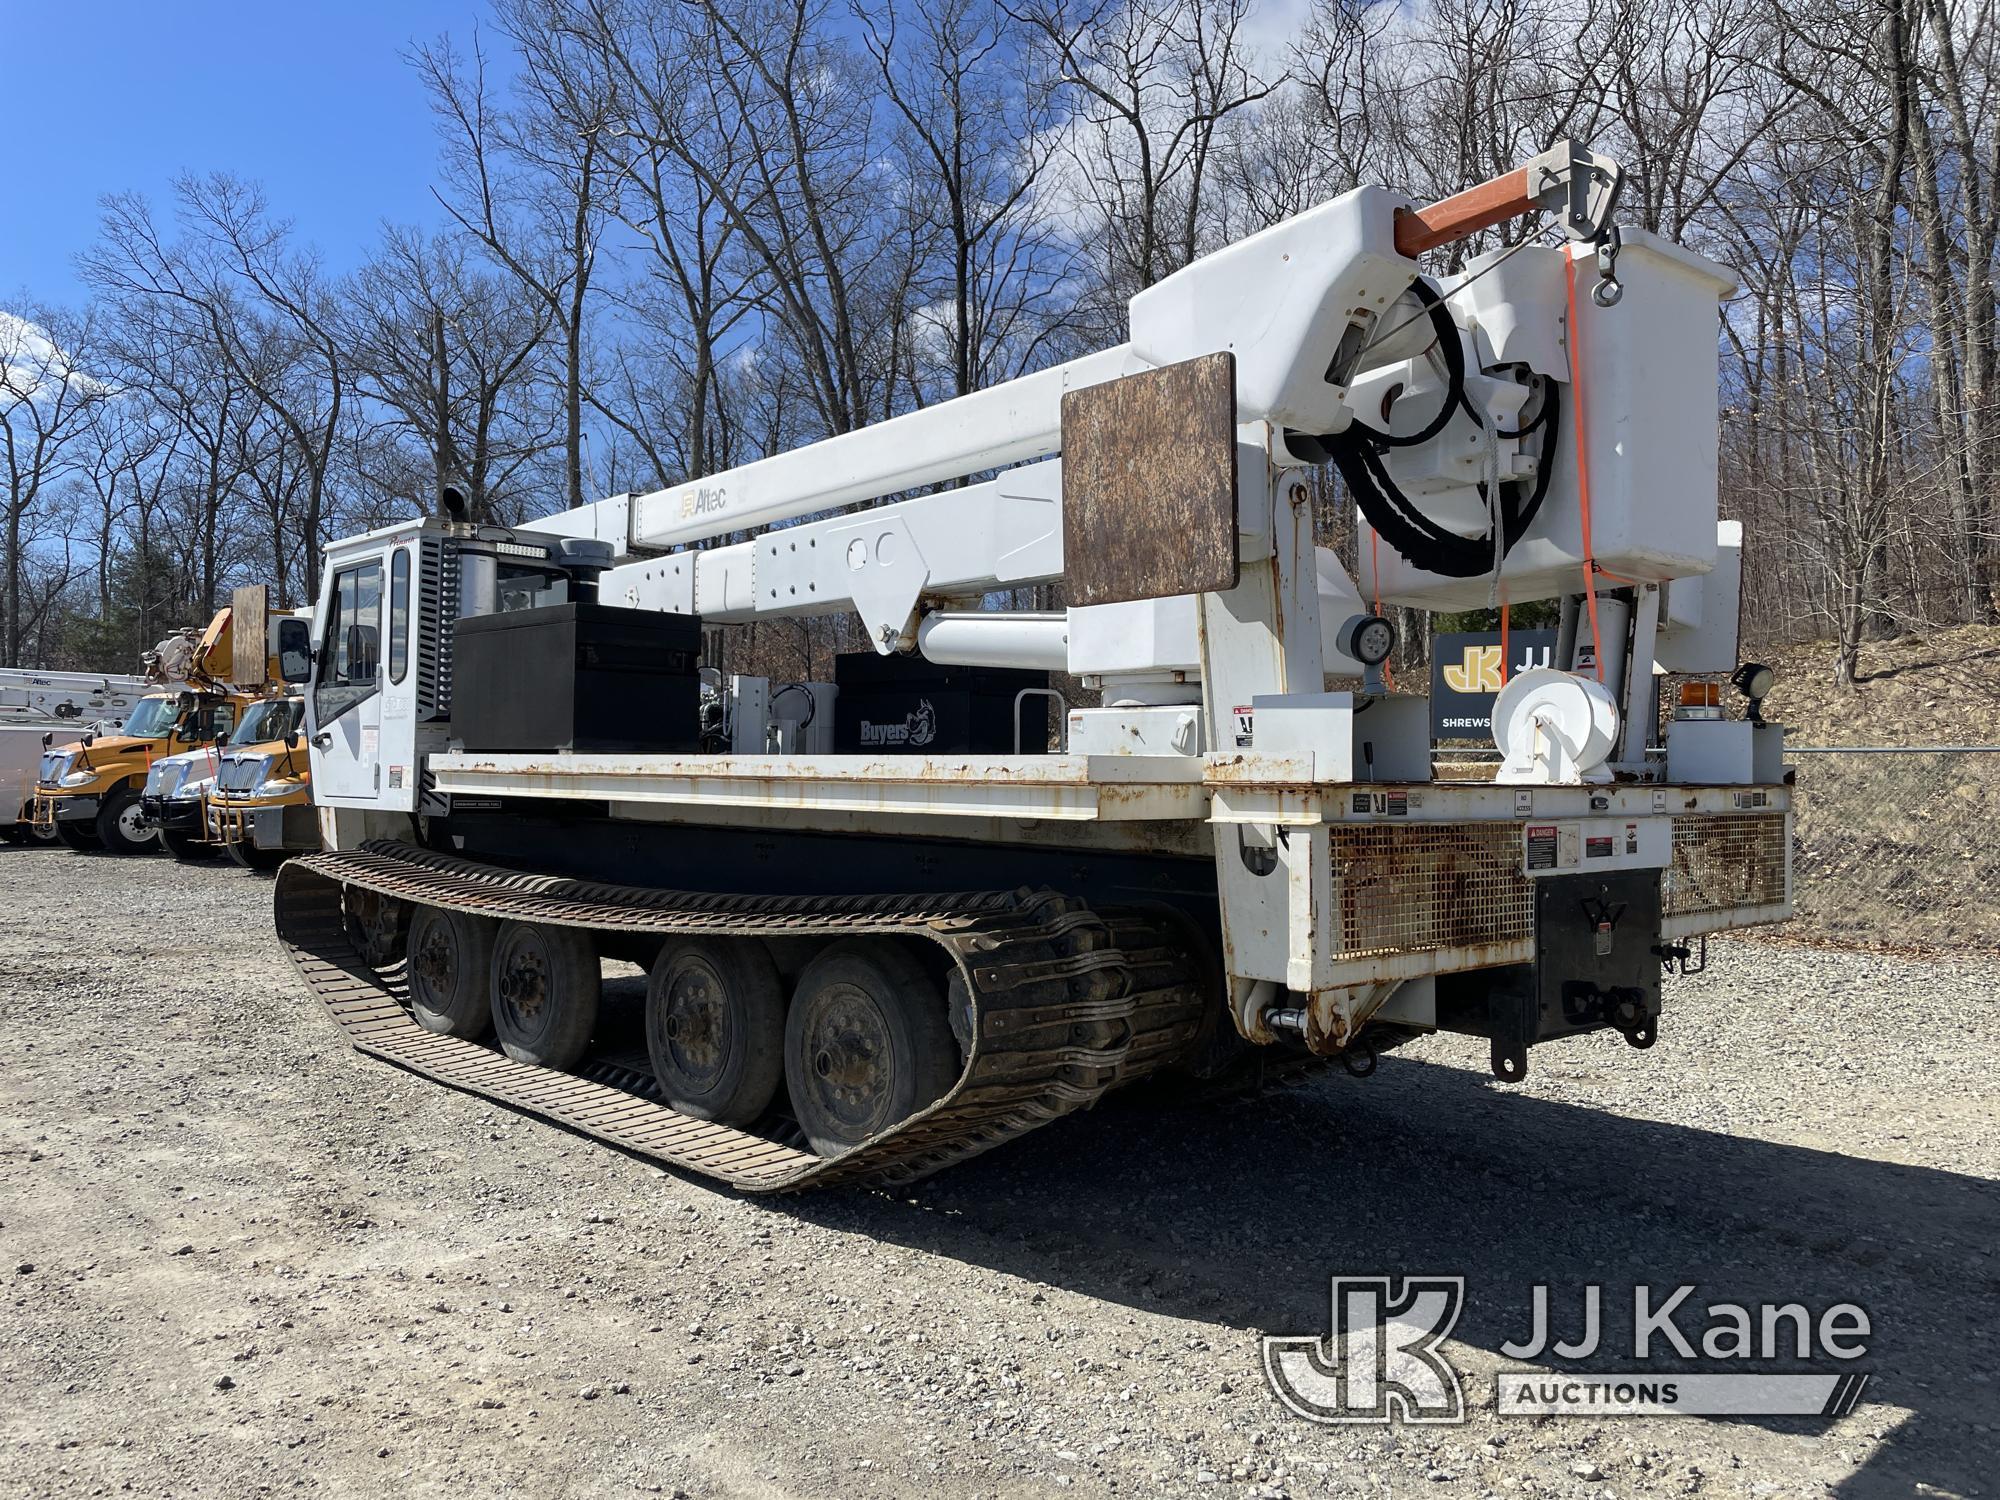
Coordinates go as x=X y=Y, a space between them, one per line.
x=1385 y=1361
x=705 y=500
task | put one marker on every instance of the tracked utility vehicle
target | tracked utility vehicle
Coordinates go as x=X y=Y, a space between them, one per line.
x=872 y=961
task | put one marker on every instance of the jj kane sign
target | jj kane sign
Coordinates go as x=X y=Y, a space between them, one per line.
x=1467 y=674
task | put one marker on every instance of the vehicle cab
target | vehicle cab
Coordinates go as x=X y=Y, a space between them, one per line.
x=375 y=661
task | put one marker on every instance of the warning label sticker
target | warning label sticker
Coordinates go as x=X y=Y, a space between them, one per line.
x=1563 y=846
x=1541 y=844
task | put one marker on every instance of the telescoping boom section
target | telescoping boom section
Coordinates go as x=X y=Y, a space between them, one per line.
x=901 y=913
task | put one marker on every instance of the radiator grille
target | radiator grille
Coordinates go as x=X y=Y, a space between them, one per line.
x=1726 y=862
x=239 y=775
x=164 y=778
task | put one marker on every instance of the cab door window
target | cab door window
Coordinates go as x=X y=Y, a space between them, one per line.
x=204 y=722
x=350 y=656
x=399 y=614
x=216 y=720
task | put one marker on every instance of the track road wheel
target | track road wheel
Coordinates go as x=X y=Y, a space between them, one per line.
x=545 y=987
x=378 y=926
x=250 y=857
x=867 y=1043
x=185 y=848
x=715 y=1026
x=77 y=835
x=451 y=972
x=121 y=825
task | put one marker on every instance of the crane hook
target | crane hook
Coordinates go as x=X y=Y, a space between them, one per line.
x=1608 y=289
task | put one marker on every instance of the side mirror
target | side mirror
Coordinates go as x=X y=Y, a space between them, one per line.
x=294 y=650
x=293 y=740
x=48 y=740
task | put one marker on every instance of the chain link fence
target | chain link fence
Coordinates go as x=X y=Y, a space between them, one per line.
x=1894 y=846
x=1897 y=846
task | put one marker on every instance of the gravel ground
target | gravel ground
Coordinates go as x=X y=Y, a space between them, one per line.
x=244 y=1260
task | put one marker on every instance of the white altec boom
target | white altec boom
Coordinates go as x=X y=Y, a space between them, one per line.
x=871 y=964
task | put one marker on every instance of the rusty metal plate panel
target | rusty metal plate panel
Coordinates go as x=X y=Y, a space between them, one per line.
x=249 y=635
x=1149 y=484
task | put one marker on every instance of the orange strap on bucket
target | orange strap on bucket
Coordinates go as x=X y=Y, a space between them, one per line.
x=1375 y=577
x=1582 y=463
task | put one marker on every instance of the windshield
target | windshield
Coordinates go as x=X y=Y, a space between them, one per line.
x=152 y=718
x=272 y=719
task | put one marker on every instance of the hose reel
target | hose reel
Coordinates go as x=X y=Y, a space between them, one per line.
x=1359 y=451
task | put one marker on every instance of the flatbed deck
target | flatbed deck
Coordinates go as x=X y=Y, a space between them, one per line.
x=1064 y=788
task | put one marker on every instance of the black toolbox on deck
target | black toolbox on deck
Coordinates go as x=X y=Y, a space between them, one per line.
x=905 y=705
x=577 y=677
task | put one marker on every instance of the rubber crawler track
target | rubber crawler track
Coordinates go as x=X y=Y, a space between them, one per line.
x=1065 y=1004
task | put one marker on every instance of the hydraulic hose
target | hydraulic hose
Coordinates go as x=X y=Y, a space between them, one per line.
x=1454 y=370
x=1357 y=454
x=1419 y=539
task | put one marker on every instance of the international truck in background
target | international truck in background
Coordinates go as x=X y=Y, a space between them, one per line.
x=88 y=791
x=869 y=961
x=171 y=801
x=35 y=705
x=258 y=808
x=249 y=799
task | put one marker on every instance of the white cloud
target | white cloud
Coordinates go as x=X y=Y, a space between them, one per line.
x=31 y=365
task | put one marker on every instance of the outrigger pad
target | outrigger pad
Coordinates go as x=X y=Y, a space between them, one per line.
x=1149 y=484
x=249 y=635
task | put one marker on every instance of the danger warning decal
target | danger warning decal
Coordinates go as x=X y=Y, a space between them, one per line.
x=1540 y=839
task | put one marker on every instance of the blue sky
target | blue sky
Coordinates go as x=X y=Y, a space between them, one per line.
x=310 y=97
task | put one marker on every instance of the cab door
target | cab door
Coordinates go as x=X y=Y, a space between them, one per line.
x=346 y=692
